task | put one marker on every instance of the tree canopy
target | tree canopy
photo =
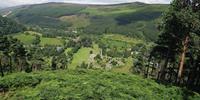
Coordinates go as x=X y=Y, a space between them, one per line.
x=8 y=26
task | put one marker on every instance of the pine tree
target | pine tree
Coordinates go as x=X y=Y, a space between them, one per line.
x=20 y=54
x=179 y=22
x=4 y=48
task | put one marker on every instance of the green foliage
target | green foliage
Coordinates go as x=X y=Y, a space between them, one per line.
x=53 y=9
x=141 y=58
x=86 y=42
x=174 y=53
x=37 y=40
x=139 y=16
x=8 y=26
x=87 y=84
x=42 y=21
x=19 y=80
x=12 y=49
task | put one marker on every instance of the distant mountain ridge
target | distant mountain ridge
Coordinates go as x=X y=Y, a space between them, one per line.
x=4 y=6
x=133 y=19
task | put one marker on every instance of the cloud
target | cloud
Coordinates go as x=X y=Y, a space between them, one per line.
x=114 y=1
x=21 y=2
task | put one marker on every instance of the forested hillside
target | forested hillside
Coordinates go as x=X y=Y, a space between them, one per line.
x=135 y=19
x=8 y=26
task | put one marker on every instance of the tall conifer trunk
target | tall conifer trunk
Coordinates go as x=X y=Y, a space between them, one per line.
x=10 y=64
x=2 y=74
x=163 y=69
x=1 y=69
x=147 y=72
x=182 y=58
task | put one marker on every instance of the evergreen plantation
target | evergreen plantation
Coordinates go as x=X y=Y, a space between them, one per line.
x=131 y=51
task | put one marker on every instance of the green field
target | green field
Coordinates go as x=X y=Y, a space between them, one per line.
x=87 y=85
x=50 y=41
x=83 y=56
x=120 y=41
x=26 y=39
x=29 y=38
x=106 y=11
x=122 y=38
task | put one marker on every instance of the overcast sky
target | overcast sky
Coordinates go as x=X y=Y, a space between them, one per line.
x=6 y=3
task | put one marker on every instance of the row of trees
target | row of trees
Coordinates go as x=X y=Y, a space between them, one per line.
x=16 y=57
x=12 y=53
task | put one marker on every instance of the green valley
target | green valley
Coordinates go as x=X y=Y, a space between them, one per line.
x=123 y=51
x=134 y=19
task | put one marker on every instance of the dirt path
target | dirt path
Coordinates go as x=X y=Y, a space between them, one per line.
x=5 y=15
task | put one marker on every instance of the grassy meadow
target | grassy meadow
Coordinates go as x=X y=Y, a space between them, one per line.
x=28 y=39
x=83 y=55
